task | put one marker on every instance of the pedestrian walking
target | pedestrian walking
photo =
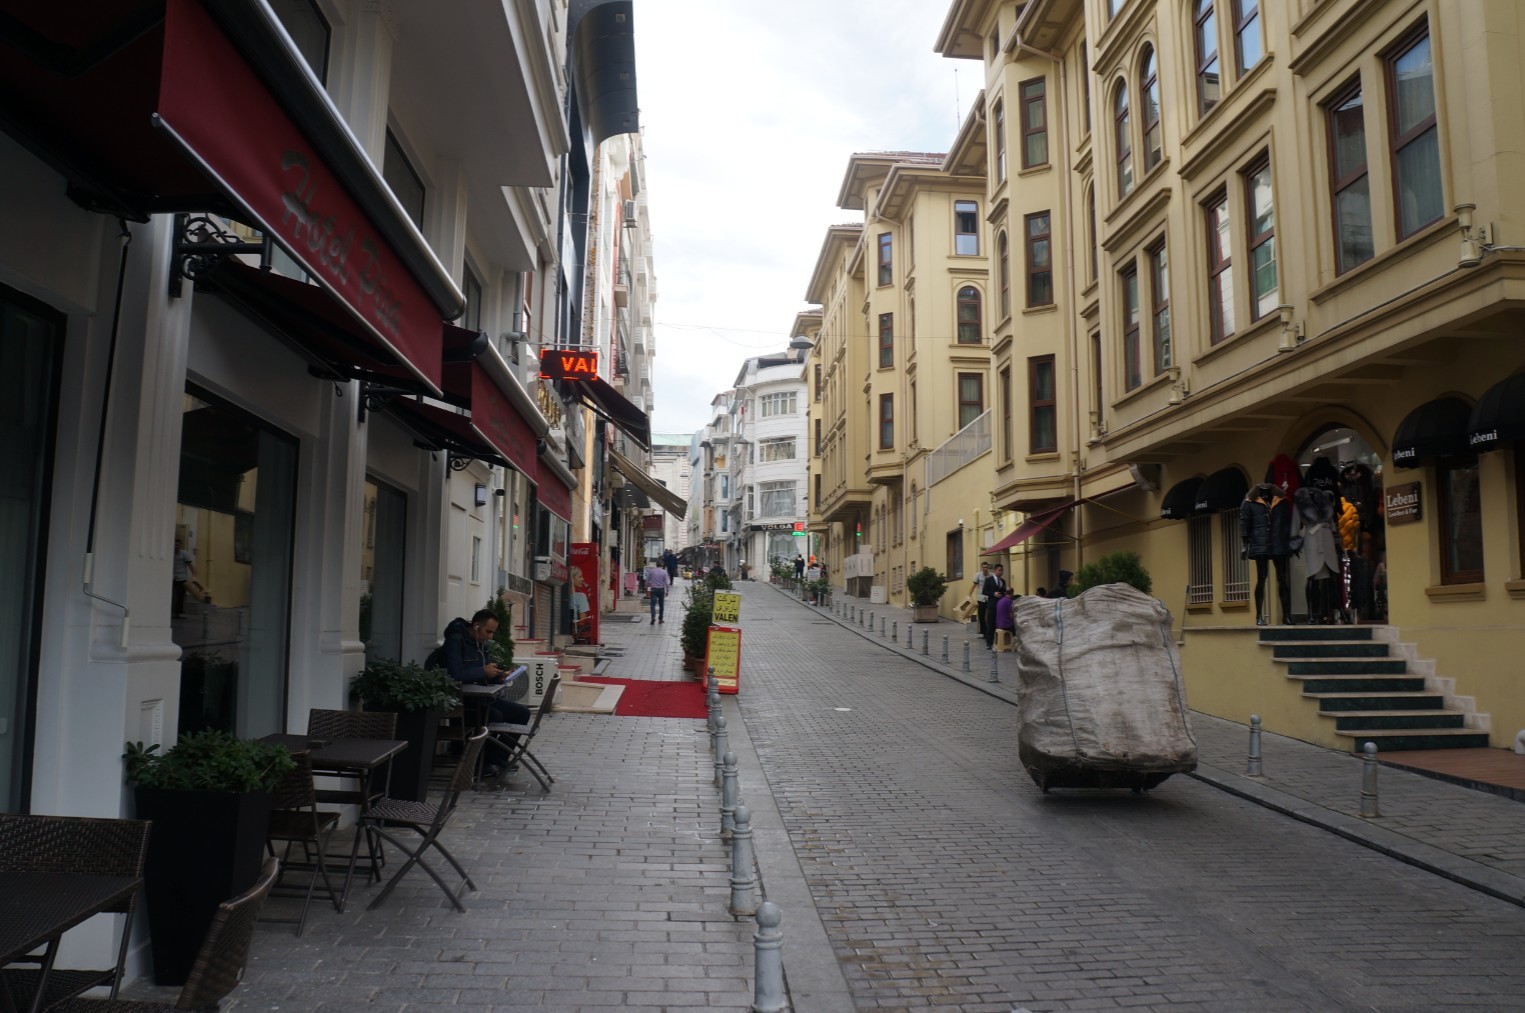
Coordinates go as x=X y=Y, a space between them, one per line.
x=799 y=567
x=670 y=563
x=657 y=583
x=981 y=603
x=995 y=590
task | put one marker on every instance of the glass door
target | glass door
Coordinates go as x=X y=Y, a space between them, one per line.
x=381 y=561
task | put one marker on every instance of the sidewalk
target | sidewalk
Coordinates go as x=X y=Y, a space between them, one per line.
x=1472 y=837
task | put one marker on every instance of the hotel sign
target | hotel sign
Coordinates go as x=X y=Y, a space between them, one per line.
x=1402 y=503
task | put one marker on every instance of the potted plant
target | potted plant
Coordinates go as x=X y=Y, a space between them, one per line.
x=418 y=696
x=208 y=796
x=927 y=587
x=1114 y=568
x=698 y=612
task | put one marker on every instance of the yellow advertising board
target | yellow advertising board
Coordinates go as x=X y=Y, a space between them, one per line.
x=727 y=608
x=722 y=654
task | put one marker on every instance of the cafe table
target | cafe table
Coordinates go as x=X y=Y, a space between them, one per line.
x=355 y=758
x=37 y=908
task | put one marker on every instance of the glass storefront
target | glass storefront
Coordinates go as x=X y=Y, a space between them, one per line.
x=232 y=583
x=1340 y=459
x=382 y=554
x=31 y=337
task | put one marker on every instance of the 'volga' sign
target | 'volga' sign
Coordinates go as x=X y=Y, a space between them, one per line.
x=1403 y=503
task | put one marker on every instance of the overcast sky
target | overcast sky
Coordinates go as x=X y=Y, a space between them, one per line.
x=750 y=112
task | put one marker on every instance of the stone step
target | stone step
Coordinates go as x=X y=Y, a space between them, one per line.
x=1362 y=666
x=1398 y=739
x=1359 y=683
x=1338 y=703
x=1389 y=720
x=1307 y=634
x=1354 y=649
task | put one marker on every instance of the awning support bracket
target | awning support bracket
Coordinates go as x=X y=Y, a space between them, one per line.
x=375 y=397
x=201 y=241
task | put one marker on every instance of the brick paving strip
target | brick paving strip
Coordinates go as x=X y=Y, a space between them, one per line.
x=1470 y=837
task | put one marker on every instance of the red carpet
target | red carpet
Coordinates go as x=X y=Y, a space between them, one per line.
x=655 y=698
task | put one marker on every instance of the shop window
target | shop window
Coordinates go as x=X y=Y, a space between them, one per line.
x=1040 y=264
x=1149 y=116
x=1199 y=559
x=955 y=555
x=969 y=322
x=886 y=340
x=406 y=185
x=1461 y=520
x=1220 y=269
x=1236 y=574
x=1209 y=77
x=1353 y=240
x=1415 y=139
x=1034 y=123
x=966 y=228
x=1043 y=424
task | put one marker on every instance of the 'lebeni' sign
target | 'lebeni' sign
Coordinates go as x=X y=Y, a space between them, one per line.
x=1402 y=502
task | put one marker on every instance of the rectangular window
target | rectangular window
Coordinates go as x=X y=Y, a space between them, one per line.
x=784 y=403
x=818 y=381
x=913 y=411
x=1132 y=366
x=1209 y=83
x=955 y=553
x=776 y=499
x=476 y=559
x=886 y=340
x=998 y=131
x=971 y=397
x=309 y=31
x=1159 y=292
x=1005 y=395
x=1122 y=139
x=1353 y=244
x=886 y=274
x=969 y=316
x=1199 y=559
x=886 y=422
x=1220 y=269
x=406 y=186
x=1248 y=47
x=817 y=437
x=966 y=228
x=781 y=449
x=1236 y=572
x=472 y=290
x=1043 y=434
x=818 y=492
x=1040 y=264
x=1264 y=293
x=1096 y=388
x=1461 y=520
x=1415 y=139
x=1034 y=123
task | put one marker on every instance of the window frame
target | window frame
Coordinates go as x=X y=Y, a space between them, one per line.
x=886 y=341
x=1005 y=275
x=961 y=300
x=1241 y=23
x=405 y=165
x=886 y=246
x=1199 y=560
x=1032 y=241
x=953 y=551
x=1037 y=406
x=998 y=128
x=1339 y=184
x=1004 y=393
x=1204 y=26
x=1397 y=141
x=961 y=209
x=1028 y=99
x=1133 y=366
x=1220 y=271
x=1443 y=468
x=1255 y=238
x=1158 y=256
x=1122 y=139
x=1149 y=92
x=962 y=404
x=886 y=421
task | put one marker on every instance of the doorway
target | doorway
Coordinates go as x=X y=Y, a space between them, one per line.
x=382 y=574
x=1341 y=459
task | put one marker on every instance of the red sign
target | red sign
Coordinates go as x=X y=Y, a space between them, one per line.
x=652 y=522
x=568 y=364
x=554 y=496
x=501 y=424
x=216 y=106
x=584 y=579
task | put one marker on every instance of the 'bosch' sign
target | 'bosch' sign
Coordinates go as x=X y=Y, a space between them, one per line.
x=568 y=364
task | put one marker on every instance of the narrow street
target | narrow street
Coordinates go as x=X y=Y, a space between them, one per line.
x=943 y=877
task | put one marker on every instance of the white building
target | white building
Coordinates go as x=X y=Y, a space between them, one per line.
x=671 y=467
x=771 y=463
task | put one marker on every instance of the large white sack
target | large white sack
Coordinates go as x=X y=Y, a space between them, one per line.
x=1100 y=697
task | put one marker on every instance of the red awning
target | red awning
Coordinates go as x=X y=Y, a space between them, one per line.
x=151 y=107
x=493 y=415
x=555 y=496
x=442 y=429
x=1034 y=524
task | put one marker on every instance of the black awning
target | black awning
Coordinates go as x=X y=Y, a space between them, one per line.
x=598 y=394
x=441 y=429
x=1222 y=490
x=1181 y=501
x=1498 y=417
x=1436 y=428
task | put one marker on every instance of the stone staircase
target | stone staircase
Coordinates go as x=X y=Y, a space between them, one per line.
x=1370 y=693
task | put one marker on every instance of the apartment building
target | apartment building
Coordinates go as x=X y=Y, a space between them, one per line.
x=1241 y=242
x=770 y=472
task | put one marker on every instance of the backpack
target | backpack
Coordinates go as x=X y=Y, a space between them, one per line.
x=436 y=658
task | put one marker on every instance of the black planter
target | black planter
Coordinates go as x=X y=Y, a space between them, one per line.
x=411 y=767
x=205 y=847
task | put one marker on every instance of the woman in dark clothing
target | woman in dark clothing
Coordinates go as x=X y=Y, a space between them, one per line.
x=1265 y=531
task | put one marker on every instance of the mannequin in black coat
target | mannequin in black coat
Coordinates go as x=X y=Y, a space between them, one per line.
x=1265 y=531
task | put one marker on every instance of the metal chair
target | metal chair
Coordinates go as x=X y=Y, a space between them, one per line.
x=391 y=815
x=296 y=819
x=519 y=748
x=337 y=724
x=73 y=844
x=218 y=966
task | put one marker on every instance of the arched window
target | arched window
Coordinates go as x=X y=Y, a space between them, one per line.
x=1123 y=140
x=1209 y=79
x=969 y=316
x=1149 y=116
x=1005 y=269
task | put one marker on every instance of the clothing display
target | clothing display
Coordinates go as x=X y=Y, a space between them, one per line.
x=1313 y=519
x=1322 y=475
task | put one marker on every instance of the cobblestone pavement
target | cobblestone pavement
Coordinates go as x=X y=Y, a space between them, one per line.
x=945 y=879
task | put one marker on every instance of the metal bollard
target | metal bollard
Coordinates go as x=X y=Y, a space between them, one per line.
x=881 y=626
x=714 y=704
x=1369 y=808
x=728 y=797
x=945 y=651
x=966 y=655
x=926 y=638
x=1253 y=768
x=722 y=746
x=895 y=631
x=870 y=619
x=768 y=961
x=743 y=876
x=995 y=673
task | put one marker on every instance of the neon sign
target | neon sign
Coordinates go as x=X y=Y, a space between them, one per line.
x=568 y=364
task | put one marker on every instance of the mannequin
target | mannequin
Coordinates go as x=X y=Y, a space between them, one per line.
x=1313 y=517
x=1265 y=532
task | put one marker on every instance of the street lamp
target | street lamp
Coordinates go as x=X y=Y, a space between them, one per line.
x=801 y=343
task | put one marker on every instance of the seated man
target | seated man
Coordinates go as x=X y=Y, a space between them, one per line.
x=466 y=661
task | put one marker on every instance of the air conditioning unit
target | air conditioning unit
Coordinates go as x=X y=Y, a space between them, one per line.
x=629 y=212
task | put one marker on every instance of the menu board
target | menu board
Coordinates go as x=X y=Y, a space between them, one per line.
x=727 y=607
x=722 y=653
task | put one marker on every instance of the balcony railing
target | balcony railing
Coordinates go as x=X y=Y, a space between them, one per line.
x=959 y=449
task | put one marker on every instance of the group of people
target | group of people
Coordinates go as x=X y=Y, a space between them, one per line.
x=996 y=600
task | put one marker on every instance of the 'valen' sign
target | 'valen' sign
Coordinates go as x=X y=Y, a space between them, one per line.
x=568 y=364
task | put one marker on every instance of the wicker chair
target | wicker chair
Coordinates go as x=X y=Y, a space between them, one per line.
x=390 y=815
x=218 y=966
x=296 y=819
x=518 y=746
x=97 y=847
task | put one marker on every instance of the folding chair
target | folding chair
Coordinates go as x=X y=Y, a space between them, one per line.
x=428 y=821
x=296 y=819
x=336 y=724
x=76 y=844
x=519 y=751
x=219 y=964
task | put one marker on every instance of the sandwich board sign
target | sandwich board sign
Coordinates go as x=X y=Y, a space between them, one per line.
x=722 y=653
x=727 y=608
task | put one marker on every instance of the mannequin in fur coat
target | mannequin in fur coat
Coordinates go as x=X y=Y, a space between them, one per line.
x=1313 y=516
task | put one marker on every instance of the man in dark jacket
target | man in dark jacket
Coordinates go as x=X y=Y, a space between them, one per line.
x=466 y=660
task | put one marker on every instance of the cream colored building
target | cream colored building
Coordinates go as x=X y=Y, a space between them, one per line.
x=1270 y=230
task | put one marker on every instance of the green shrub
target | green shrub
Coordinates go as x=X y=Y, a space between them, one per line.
x=698 y=613
x=1116 y=568
x=389 y=685
x=500 y=648
x=717 y=581
x=212 y=760
x=926 y=586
